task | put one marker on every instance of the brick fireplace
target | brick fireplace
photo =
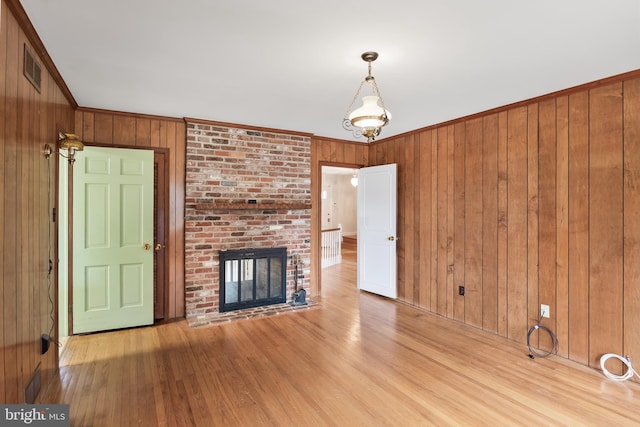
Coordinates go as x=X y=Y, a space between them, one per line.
x=245 y=188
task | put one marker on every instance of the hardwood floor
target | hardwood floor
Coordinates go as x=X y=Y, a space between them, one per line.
x=358 y=359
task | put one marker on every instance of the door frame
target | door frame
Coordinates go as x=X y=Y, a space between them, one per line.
x=161 y=228
x=316 y=221
x=162 y=156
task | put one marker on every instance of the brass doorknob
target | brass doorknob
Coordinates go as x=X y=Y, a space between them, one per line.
x=158 y=246
x=147 y=246
x=391 y=238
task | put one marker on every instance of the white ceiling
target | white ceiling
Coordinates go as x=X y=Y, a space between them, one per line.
x=295 y=65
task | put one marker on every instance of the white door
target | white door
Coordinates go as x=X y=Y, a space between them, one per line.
x=377 y=230
x=112 y=239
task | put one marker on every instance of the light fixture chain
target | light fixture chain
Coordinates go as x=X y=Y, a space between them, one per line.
x=353 y=101
x=384 y=109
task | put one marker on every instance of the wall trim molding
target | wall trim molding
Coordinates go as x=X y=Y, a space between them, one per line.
x=249 y=127
x=128 y=114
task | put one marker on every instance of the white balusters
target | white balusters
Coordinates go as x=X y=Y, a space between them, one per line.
x=331 y=246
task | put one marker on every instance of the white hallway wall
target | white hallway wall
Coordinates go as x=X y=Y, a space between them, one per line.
x=340 y=206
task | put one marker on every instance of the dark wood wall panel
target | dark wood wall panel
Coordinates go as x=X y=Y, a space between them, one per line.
x=473 y=223
x=143 y=133
x=458 y=202
x=578 y=307
x=417 y=209
x=11 y=319
x=405 y=252
x=424 y=224
x=29 y=119
x=22 y=226
x=442 y=220
x=517 y=224
x=490 y=223
x=605 y=222
x=503 y=309
x=533 y=211
x=631 y=279
x=433 y=249
x=526 y=205
x=107 y=128
x=124 y=130
x=451 y=289
x=562 y=224
x=546 y=215
x=103 y=128
x=409 y=221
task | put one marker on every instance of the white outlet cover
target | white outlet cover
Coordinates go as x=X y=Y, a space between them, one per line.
x=544 y=310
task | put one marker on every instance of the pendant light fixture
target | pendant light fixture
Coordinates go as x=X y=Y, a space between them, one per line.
x=369 y=119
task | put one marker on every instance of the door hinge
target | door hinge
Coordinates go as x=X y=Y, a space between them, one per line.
x=53 y=214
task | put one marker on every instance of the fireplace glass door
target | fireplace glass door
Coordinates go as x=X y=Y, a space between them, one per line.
x=252 y=278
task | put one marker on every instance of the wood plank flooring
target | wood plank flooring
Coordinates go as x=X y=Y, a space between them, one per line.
x=357 y=360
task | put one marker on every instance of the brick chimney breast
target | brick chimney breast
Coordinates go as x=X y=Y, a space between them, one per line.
x=226 y=167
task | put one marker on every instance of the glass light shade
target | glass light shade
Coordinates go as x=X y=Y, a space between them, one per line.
x=354 y=181
x=370 y=115
x=70 y=141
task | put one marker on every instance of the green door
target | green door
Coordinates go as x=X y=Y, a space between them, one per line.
x=112 y=239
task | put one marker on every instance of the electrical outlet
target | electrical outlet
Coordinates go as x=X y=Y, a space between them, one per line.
x=461 y=290
x=544 y=310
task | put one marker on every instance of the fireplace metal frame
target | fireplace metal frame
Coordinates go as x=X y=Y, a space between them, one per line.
x=252 y=254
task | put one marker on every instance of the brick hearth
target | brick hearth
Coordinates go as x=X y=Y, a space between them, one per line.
x=249 y=313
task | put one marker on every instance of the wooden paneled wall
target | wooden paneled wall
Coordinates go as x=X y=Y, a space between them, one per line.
x=325 y=152
x=125 y=130
x=28 y=120
x=536 y=203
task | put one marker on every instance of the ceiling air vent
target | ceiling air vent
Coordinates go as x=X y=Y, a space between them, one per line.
x=32 y=70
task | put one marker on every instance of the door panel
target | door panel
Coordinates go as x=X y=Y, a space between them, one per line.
x=112 y=239
x=96 y=231
x=131 y=285
x=96 y=288
x=377 y=230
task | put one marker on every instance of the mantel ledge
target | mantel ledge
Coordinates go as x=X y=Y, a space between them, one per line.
x=252 y=206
